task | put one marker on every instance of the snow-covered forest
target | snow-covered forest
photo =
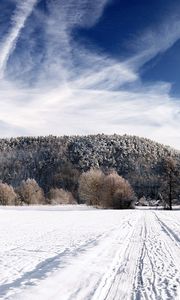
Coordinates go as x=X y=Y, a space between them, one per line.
x=56 y=163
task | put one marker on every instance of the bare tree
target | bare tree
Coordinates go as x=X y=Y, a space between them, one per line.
x=66 y=178
x=90 y=184
x=108 y=191
x=116 y=192
x=7 y=194
x=60 y=196
x=30 y=192
x=170 y=182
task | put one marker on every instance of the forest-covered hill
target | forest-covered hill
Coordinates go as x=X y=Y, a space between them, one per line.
x=58 y=161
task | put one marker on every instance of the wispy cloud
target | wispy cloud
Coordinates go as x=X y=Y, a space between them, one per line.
x=24 y=9
x=79 y=90
x=157 y=40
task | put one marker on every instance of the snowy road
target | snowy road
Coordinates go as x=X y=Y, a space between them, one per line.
x=83 y=254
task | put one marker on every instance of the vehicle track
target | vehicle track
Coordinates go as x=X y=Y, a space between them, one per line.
x=136 y=259
x=158 y=266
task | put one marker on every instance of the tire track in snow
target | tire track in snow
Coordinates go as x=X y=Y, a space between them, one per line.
x=144 y=263
x=102 y=255
x=49 y=265
x=59 y=261
x=118 y=280
x=145 y=268
x=136 y=260
x=169 y=231
x=158 y=265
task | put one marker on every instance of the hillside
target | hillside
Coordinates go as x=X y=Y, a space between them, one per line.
x=58 y=161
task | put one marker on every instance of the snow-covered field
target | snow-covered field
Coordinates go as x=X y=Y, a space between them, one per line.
x=77 y=253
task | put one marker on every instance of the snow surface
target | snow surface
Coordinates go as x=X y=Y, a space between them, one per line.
x=78 y=253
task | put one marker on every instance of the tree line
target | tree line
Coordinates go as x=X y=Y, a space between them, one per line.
x=56 y=164
x=95 y=188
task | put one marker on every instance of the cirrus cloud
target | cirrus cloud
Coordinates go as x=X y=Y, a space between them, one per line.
x=67 y=88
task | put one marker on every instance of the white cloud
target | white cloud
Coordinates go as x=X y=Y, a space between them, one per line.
x=24 y=9
x=80 y=91
x=69 y=111
x=154 y=41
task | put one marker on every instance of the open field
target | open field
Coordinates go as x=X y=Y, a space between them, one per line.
x=77 y=253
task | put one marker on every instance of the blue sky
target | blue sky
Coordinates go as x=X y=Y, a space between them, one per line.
x=87 y=67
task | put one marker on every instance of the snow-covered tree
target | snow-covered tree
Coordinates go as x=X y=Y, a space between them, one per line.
x=60 y=196
x=116 y=192
x=170 y=181
x=109 y=191
x=30 y=192
x=90 y=185
x=7 y=194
